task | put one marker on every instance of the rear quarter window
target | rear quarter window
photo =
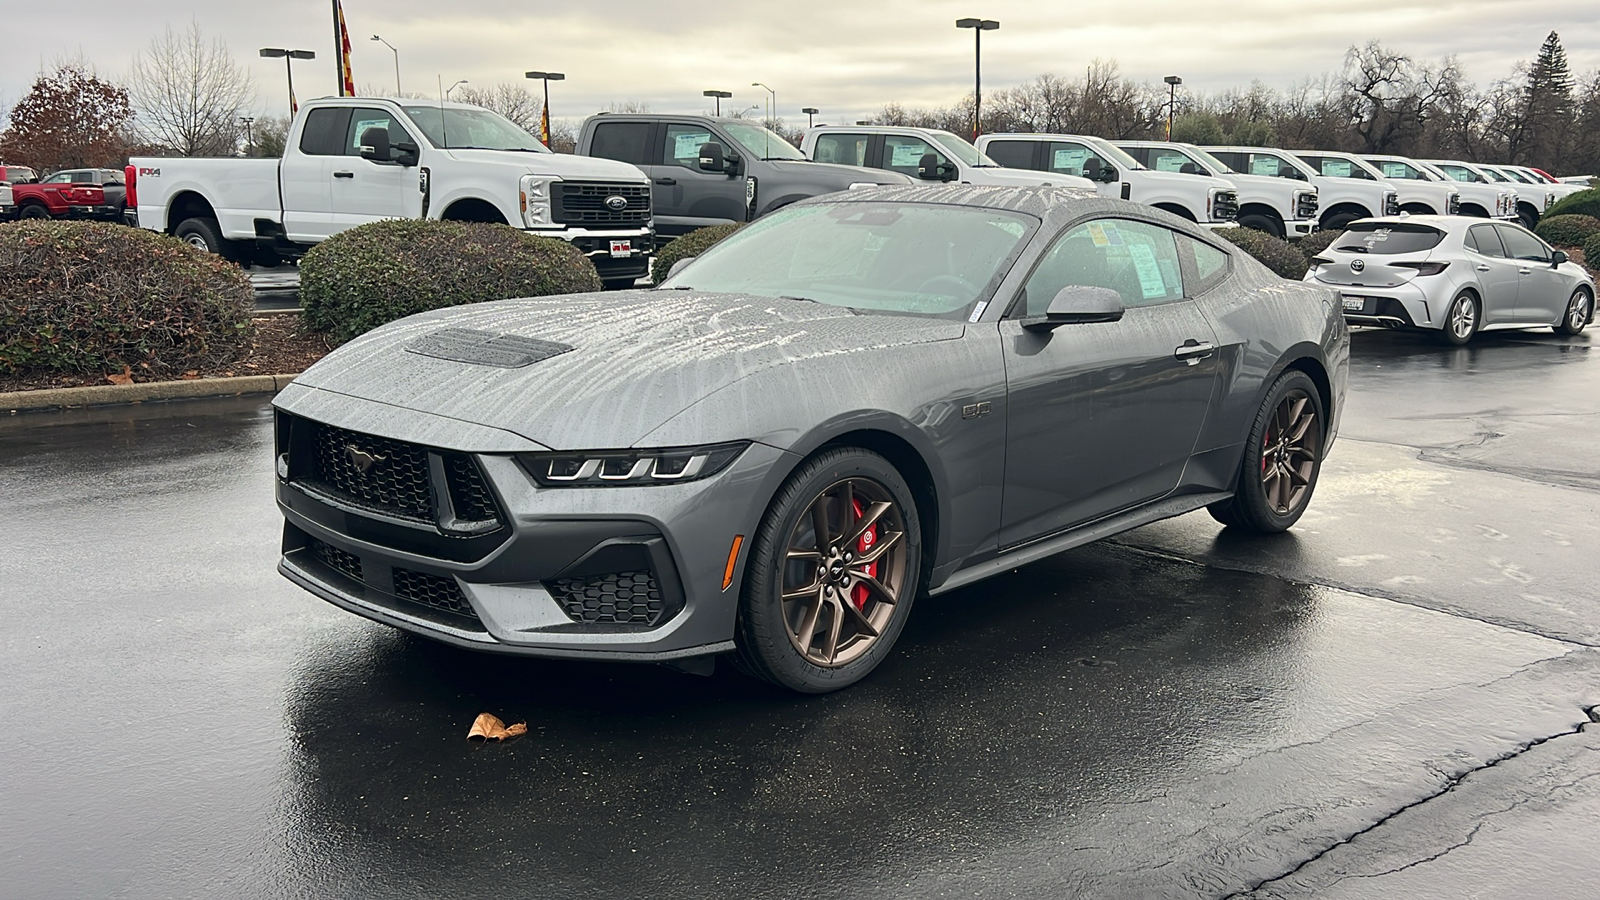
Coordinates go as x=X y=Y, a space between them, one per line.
x=1388 y=239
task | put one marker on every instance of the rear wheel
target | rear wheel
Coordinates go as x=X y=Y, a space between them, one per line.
x=1461 y=320
x=1282 y=459
x=1579 y=310
x=205 y=235
x=832 y=573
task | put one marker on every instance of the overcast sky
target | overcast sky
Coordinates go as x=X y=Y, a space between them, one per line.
x=847 y=57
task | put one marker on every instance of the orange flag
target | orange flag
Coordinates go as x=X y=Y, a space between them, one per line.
x=341 y=41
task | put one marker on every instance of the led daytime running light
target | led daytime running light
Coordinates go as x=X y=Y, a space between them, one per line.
x=620 y=468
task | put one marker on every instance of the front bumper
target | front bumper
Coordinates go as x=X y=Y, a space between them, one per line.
x=1299 y=228
x=1219 y=226
x=599 y=247
x=545 y=584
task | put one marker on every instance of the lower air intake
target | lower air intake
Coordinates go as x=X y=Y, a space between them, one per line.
x=616 y=598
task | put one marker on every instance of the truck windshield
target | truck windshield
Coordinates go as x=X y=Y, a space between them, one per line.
x=960 y=149
x=19 y=175
x=871 y=256
x=1114 y=154
x=477 y=129
x=761 y=142
x=1460 y=173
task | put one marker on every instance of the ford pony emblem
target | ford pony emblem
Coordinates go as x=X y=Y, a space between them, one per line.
x=616 y=203
x=361 y=459
x=1357 y=265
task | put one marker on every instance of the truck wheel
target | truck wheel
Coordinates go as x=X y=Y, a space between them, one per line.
x=33 y=211
x=1262 y=223
x=204 y=235
x=1338 y=221
x=619 y=284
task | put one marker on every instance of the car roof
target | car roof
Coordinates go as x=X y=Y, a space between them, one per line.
x=1054 y=205
x=1443 y=223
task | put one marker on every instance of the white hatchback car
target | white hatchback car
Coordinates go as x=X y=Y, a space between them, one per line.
x=1454 y=275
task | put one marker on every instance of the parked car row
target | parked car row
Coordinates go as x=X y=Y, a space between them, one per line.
x=71 y=194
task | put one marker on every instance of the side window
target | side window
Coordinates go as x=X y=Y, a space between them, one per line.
x=902 y=154
x=1142 y=154
x=59 y=178
x=1071 y=158
x=683 y=145
x=1485 y=241
x=1137 y=260
x=324 y=131
x=1013 y=154
x=627 y=142
x=845 y=149
x=1522 y=245
x=1210 y=264
x=1239 y=162
x=1400 y=170
x=1262 y=164
x=362 y=119
x=1173 y=161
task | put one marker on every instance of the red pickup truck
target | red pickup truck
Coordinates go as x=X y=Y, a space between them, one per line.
x=31 y=200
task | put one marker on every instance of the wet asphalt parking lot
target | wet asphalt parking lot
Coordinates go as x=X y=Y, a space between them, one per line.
x=1389 y=701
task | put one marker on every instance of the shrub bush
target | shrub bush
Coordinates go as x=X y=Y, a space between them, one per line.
x=375 y=273
x=1275 y=253
x=692 y=244
x=1583 y=203
x=1312 y=244
x=87 y=297
x=1568 y=230
x=1591 y=253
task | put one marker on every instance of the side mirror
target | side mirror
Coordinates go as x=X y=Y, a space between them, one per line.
x=1109 y=173
x=713 y=158
x=930 y=169
x=405 y=153
x=1078 y=304
x=1557 y=258
x=678 y=266
x=375 y=145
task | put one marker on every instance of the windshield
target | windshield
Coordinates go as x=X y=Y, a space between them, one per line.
x=1394 y=169
x=1518 y=176
x=960 y=149
x=1114 y=154
x=759 y=142
x=902 y=258
x=1388 y=239
x=1459 y=173
x=1342 y=167
x=475 y=129
x=19 y=175
x=1217 y=166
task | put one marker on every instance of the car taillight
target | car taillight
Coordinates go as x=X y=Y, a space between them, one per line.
x=130 y=177
x=1423 y=268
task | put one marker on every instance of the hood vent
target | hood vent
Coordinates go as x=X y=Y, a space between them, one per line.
x=485 y=348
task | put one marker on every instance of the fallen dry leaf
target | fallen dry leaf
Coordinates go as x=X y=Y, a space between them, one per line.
x=488 y=727
x=191 y=374
x=124 y=377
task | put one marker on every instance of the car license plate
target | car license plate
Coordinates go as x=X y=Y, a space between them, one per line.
x=621 y=248
x=1354 y=304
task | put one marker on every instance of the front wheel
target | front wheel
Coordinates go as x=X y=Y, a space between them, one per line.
x=1262 y=223
x=1579 y=309
x=1337 y=221
x=832 y=573
x=1461 y=320
x=1282 y=459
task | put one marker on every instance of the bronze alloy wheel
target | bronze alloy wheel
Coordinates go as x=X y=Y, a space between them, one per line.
x=844 y=572
x=1289 y=452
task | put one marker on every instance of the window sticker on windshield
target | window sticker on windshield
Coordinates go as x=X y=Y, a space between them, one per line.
x=908 y=154
x=687 y=146
x=363 y=124
x=1104 y=234
x=1069 y=160
x=1263 y=165
x=1144 y=263
x=1337 y=168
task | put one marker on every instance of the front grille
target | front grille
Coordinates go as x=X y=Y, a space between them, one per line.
x=584 y=203
x=617 y=598
x=396 y=479
x=1306 y=205
x=1453 y=205
x=1225 y=208
x=1391 y=204
x=468 y=491
x=346 y=564
x=433 y=591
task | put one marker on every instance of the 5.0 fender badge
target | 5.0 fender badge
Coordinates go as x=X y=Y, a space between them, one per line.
x=361 y=459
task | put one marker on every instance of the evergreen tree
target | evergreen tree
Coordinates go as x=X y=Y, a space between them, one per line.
x=1545 y=135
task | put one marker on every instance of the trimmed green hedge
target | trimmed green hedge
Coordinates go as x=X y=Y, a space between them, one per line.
x=1591 y=253
x=382 y=271
x=1568 y=230
x=1275 y=253
x=692 y=244
x=1583 y=203
x=91 y=297
x=1315 y=243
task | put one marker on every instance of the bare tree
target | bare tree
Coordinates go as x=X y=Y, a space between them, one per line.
x=513 y=101
x=188 y=93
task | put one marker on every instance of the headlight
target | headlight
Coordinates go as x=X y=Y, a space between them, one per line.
x=533 y=197
x=623 y=468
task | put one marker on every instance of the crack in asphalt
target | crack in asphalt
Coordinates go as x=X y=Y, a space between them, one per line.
x=1450 y=784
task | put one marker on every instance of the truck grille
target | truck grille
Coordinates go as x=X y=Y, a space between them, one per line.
x=617 y=598
x=584 y=203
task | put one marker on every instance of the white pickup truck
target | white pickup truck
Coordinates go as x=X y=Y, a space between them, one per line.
x=1484 y=201
x=925 y=153
x=1287 y=209
x=1425 y=198
x=1343 y=200
x=1526 y=209
x=1209 y=201
x=351 y=160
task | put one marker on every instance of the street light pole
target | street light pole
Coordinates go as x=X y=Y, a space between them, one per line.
x=811 y=112
x=1172 y=100
x=978 y=26
x=275 y=52
x=544 y=113
x=720 y=95
x=396 y=64
x=249 y=137
x=453 y=87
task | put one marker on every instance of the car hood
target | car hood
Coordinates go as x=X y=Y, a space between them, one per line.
x=621 y=364
x=561 y=165
x=1180 y=180
x=844 y=175
x=1005 y=176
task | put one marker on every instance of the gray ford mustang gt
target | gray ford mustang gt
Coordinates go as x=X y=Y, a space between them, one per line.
x=856 y=400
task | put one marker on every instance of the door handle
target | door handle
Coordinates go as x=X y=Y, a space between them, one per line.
x=1482 y=268
x=1192 y=351
x=1523 y=271
x=666 y=181
x=344 y=174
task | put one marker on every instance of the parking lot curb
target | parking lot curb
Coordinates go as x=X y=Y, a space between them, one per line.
x=117 y=394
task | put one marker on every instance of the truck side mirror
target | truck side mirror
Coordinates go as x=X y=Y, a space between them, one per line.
x=930 y=169
x=375 y=145
x=405 y=153
x=713 y=158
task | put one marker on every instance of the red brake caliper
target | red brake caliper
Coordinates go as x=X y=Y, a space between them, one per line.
x=866 y=542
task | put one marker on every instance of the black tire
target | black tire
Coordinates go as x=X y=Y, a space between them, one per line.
x=1250 y=508
x=1262 y=223
x=1580 y=309
x=619 y=284
x=33 y=211
x=1462 y=319
x=1337 y=221
x=1527 y=217
x=764 y=636
x=204 y=234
